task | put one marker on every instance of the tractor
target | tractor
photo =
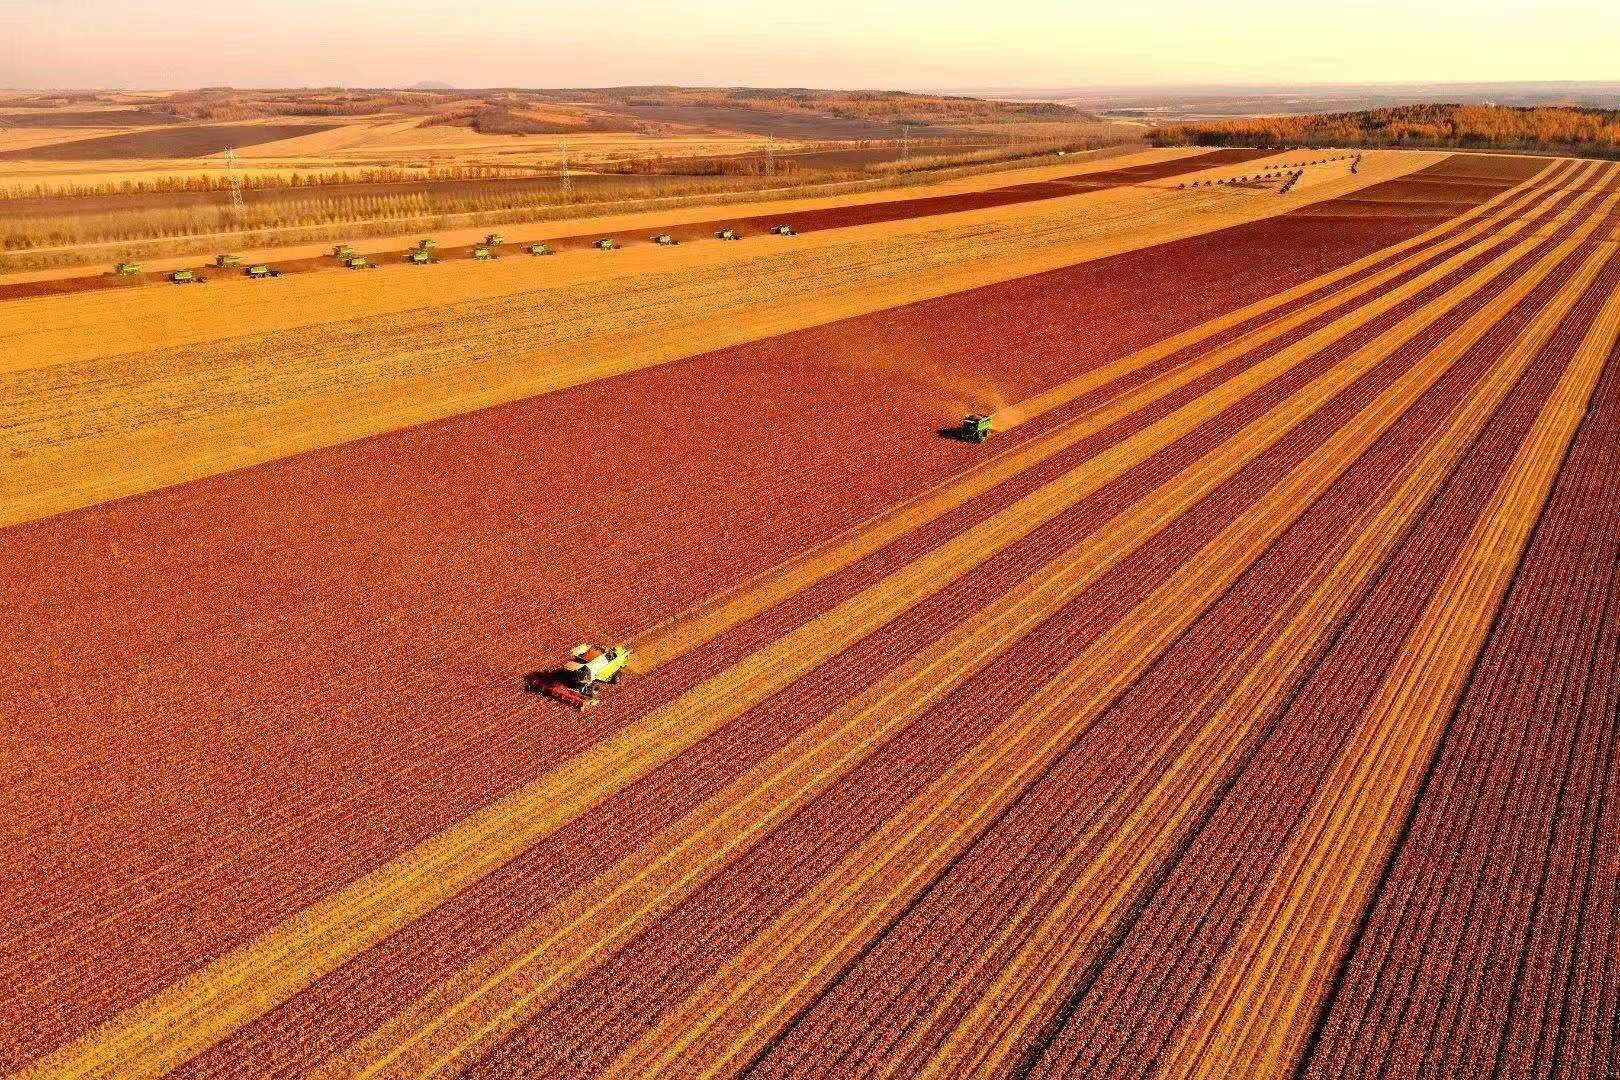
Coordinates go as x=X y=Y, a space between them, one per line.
x=663 y=239
x=974 y=428
x=225 y=262
x=493 y=239
x=127 y=269
x=359 y=262
x=728 y=234
x=607 y=243
x=259 y=271
x=579 y=680
x=419 y=257
x=187 y=277
x=784 y=230
x=539 y=249
x=483 y=253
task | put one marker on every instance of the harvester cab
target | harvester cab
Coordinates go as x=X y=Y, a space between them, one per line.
x=483 y=253
x=728 y=234
x=607 y=243
x=578 y=682
x=225 y=262
x=974 y=428
x=127 y=269
x=187 y=277
x=663 y=239
x=419 y=257
x=539 y=249
x=784 y=230
x=259 y=270
x=493 y=239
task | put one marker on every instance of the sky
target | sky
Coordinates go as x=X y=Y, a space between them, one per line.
x=890 y=44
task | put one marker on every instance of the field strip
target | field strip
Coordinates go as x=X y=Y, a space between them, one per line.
x=263 y=391
x=690 y=629
x=197 y=1011
x=1253 y=1017
x=750 y=992
x=1139 y=826
x=529 y=966
x=660 y=643
x=518 y=977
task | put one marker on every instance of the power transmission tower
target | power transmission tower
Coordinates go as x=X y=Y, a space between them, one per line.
x=236 y=182
x=567 y=181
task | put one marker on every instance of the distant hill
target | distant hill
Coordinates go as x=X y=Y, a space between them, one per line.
x=1588 y=132
x=429 y=85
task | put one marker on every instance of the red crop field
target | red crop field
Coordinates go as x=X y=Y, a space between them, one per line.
x=1244 y=706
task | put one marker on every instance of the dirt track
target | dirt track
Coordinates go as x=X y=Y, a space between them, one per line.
x=288 y=602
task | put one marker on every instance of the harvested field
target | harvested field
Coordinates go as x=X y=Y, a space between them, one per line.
x=189 y=141
x=1243 y=708
x=778 y=123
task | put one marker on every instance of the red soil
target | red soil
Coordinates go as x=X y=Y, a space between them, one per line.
x=287 y=602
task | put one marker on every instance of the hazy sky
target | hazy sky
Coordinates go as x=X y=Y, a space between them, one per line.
x=904 y=44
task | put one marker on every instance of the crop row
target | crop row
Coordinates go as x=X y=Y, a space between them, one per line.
x=1201 y=668
x=1260 y=477
x=1465 y=935
x=1132 y=1011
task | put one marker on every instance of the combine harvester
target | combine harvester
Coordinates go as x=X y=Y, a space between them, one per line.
x=783 y=230
x=607 y=243
x=728 y=234
x=259 y=272
x=973 y=428
x=539 y=249
x=578 y=682
x=127 y=269
x=187 y=277
x=663 y=239
x=483 y=254
x=359 y=262
x=226 y=262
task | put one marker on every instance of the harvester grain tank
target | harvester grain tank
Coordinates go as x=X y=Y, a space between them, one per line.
x=784 y=230
x=728 y=234
x=127 y=269
x=578 y=682
x=187 y=277
x=259 y=271
x=226 y=262
x=539 y=249
x=607 y=243
x=974 y=428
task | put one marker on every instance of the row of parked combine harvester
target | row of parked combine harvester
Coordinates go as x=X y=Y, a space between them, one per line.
x=1288 y=174
x=421 y=255
x=589 y=668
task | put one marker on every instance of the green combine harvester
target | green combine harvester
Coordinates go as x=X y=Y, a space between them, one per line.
x=663 y=239
x=784 y=230
x=426 y=245
x=728 y=234
x=259 y=272
x=187 y=277
x=225 y=262
x=483 y=253
x=607 y=243
x=539 y=249
x=344 y=251
x=127 y=269
x=493 y=239
x=419 y=257
x=359 y=262
x=974 y=428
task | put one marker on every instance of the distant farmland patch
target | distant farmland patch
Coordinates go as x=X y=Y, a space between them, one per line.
x=784 y=125
x=177 y=142
x=92 y=118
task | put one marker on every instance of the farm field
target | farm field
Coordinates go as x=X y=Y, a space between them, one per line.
x=239 y=375
x=1245 y=706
